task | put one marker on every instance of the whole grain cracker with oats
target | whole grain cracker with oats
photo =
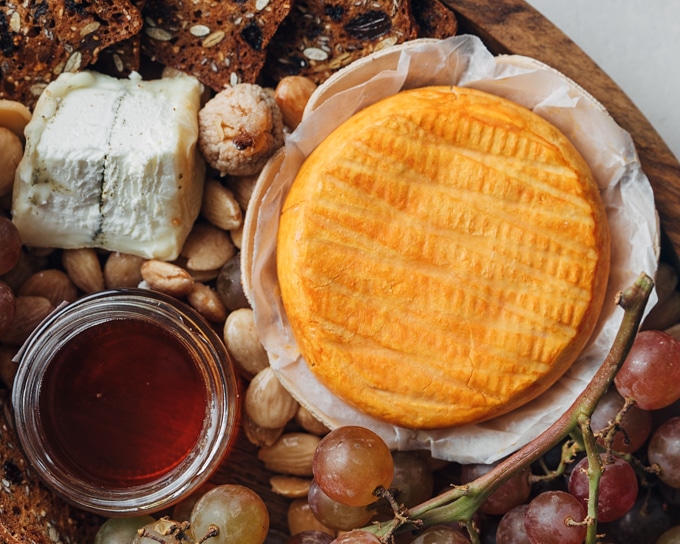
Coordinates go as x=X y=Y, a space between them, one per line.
x=41 y=39
x=318 y=38
x=219 y=43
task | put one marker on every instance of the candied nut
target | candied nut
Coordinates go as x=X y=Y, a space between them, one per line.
x=207 y=247
x=167 y=278
x=122 y=270
x=267 y=402
x=207 y=303
x=301 y=518
x=243 y=342
x=291 y=487
x=14 y=116
x=259 y=436
x=29 y=311
x=309 y=423
x=291 y=454
x=11 y=151
x=84 y=269
x=53 y=284
x=220 y=207
x=292 y=94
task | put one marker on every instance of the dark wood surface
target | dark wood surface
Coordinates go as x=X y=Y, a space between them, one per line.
x=512 y=26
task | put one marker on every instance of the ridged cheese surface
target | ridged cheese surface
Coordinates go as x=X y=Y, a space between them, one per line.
x=442 y=257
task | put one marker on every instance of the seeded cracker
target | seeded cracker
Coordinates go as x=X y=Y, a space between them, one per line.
x=122 y=58
x=220 y=42
x=318 y=38
x=39 y=39
x=30 y=513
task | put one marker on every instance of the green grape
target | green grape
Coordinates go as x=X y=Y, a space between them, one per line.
x=182 y=510
x=163 y=531
x=350 y=463
x=334 y=514
x=672 y=536
x=121 y=530
x=239 y=514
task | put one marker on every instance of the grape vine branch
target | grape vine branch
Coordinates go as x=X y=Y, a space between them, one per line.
x=460 y=502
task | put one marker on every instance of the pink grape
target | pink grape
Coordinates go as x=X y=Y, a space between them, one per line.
x=664 y=450
x=513 y=492
x=618 y=487
x=546 y=519
x=357 y=537
x=334 y=514
x=635 y=426
x=412 y=479
x=651 y=372
x=350 y=463
x=511 y=528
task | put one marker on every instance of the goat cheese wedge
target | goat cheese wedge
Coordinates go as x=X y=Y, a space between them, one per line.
x=111 y=163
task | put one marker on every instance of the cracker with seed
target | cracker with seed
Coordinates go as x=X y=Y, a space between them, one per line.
x=39 y=39
x=318 y=38
x=220 y=43
x=124 y=57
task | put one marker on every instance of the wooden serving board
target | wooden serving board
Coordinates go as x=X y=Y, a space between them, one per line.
x=514 y=27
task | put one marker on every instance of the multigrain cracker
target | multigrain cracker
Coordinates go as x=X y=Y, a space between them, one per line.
x=318 y=38
x=219 y=43
x=40 y=39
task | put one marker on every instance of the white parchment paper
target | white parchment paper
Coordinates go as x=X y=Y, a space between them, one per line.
x=463 y=61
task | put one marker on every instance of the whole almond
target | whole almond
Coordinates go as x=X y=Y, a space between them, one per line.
x=167 y=278
x=291 y=487
x=291 y=454
x=207 y=247
x=309 y=423
x=242 y=187
x=29 y=312
x=84 y=269
x=267 y=402
x=220 y=207
x=243 y=343
x=259 y=436
x=207 y=302
x=122 y=270
x=53 y=284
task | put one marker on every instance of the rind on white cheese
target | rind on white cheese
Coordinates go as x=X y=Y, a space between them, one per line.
x=111 y=163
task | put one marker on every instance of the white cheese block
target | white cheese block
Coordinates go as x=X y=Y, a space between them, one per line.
x=111 y=163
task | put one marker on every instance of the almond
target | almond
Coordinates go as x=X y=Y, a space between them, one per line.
x=53 y=284
x=207 y=248
x=207 y=303
x=301 y=518
x=309 y=423
x=29 y=312
x=259 y=436
x=291 y=454
x=83 y=267
x=243 y=343
x=291 y=95
x=291 y=487
x=167 y=278
x=220 y=207
x=267 y=402
x=122 y=270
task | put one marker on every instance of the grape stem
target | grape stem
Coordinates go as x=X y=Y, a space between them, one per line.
x=460 y=502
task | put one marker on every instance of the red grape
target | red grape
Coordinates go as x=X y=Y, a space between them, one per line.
x=310 y=537
x=512 y=493
x=350 y=463
x=635 y=426
x=511 y=528
x=547 y=520
x=441 y=535
x=651 y=372
x=618 y=487
x=10 y=245
x=664 y=451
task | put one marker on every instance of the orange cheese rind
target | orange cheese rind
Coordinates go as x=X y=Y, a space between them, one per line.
x=462 y=61
x=443 y=257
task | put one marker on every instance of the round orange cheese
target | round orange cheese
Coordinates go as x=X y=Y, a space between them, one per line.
x=442 y=257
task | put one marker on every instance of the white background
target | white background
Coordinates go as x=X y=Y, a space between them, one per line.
x=637 y=43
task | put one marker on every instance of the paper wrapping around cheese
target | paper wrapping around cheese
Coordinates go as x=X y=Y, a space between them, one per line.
x=442 y=256
x=111 y=163
x=463 y=61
